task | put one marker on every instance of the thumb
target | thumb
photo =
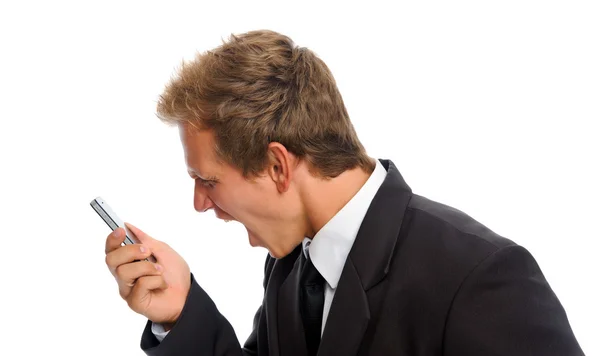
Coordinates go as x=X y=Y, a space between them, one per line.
x=141 y=236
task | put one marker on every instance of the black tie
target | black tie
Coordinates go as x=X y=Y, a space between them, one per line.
x=312 y=299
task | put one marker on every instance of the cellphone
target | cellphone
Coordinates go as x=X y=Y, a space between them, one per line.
x=113 y=221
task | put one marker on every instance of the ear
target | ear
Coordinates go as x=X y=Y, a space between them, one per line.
x=280 y=166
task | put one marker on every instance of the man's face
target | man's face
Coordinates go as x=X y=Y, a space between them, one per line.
x=270 y=216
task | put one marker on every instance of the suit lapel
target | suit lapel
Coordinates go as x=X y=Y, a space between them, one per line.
x=348 y=317
x=379 y=232
x=366 y=265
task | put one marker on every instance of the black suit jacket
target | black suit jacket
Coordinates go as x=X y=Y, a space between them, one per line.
x=422 y=278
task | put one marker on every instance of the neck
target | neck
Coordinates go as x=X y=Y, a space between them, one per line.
x=323 y=198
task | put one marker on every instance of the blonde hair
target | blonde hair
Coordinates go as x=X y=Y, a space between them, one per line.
x=259 y=87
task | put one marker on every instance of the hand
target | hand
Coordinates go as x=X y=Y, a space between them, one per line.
x=156 y=290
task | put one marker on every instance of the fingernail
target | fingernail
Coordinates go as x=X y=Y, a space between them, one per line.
x=143 y=249
x=158 y=267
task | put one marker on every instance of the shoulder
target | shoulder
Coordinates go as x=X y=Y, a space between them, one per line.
x=456 y=226
x=441 y=247
x=445 y=237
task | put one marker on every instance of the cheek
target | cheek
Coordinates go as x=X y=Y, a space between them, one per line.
x=224 y=204
x=241 y=204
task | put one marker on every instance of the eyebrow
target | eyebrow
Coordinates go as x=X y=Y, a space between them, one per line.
x=194 y=175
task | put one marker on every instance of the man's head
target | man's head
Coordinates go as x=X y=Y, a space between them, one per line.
x=263 y=126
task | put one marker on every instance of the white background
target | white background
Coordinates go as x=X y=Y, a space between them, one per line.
x=490 y=107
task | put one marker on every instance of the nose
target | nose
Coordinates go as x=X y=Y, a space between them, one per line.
x=202 y=201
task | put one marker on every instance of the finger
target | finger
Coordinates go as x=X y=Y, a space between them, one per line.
x=126 y=254
x=128 y=274
x=114 y=240
x=157 y=246
x=138 y=299
x=142 y=236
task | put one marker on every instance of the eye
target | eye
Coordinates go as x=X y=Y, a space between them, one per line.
x=208 y=183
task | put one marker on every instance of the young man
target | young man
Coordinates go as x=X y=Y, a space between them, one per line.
x=357 y=264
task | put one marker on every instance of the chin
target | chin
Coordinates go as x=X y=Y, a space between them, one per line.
x=253 y=239
x=253 y=242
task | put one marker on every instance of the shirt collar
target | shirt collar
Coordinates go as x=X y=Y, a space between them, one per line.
x=331 y=245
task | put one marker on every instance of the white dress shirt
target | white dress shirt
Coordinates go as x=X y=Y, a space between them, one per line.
x=331 y=245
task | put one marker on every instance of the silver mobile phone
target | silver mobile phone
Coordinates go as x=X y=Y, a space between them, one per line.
x=113 y=221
